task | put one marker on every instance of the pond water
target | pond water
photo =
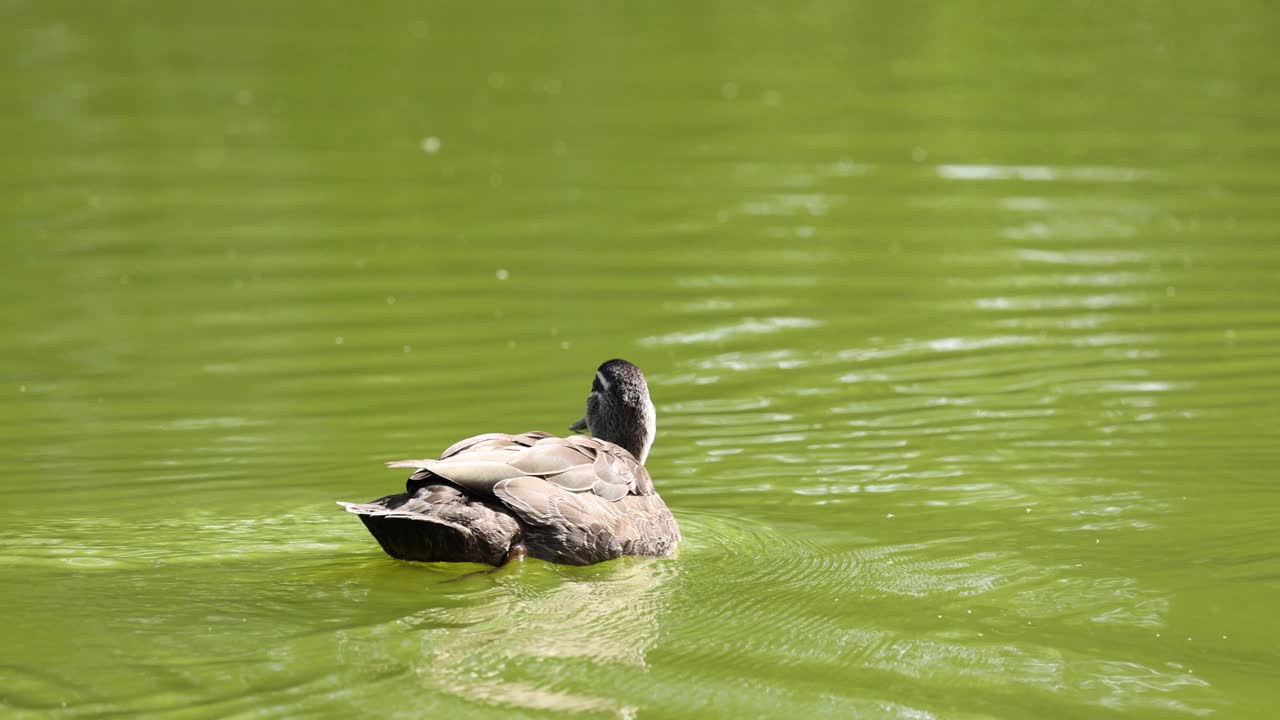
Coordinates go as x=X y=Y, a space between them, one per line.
x=962 y=321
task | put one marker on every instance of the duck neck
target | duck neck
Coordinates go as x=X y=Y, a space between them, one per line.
x=633 y=431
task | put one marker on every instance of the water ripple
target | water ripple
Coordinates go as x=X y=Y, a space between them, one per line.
x=1043 y=173
x=749 y=326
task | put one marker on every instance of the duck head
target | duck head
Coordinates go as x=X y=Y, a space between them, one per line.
x=619 y=409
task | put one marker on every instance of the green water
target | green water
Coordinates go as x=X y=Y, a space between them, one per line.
x=962 y=321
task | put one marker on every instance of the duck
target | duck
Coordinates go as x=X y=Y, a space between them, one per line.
x=497 y=498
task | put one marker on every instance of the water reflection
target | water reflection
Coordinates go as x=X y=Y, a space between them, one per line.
x=512 y=646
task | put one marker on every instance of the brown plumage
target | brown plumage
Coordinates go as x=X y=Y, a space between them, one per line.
x=575 y=500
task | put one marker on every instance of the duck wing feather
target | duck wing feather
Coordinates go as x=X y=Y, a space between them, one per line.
x=587 y=527
x=577 y=464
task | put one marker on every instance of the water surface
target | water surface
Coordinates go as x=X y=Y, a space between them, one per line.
x=961 y=321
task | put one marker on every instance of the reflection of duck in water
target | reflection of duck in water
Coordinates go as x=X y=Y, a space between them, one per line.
x=497 y=497
x=514 y=641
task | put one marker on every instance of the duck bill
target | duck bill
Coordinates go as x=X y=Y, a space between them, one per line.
x=579 y=426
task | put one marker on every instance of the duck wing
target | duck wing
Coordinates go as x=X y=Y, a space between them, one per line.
x=575 y=464
x=581 y=528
